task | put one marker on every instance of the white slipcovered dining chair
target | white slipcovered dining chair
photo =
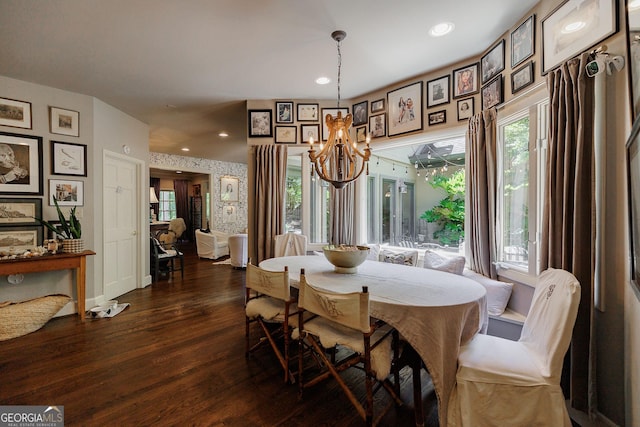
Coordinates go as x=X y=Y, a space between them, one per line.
x=269 y=303
x=290 y=243
x=517 y=383
x=328 y=320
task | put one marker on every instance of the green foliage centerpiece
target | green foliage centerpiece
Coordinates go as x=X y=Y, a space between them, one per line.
x=69 y=230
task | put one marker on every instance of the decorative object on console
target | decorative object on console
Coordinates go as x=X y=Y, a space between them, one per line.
x=339 y=161
x=70 y=230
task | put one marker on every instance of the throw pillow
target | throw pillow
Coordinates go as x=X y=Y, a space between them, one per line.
x=374 y=252
x=498 y=293
x=436 y=261
x=395 y=257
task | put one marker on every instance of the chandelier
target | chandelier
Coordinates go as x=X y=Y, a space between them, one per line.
x=339 y=161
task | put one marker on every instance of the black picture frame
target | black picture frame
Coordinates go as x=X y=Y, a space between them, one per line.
x=466 y=108
x=360 y=110
x=307 y=112
x=361 y=134
x=286 y=135
x=284 y=112
x=523 y=41
x=633 y=194
x=492 y=63
x=377 y=125
x=405 y=109
x=438 y=91
x=377 y=105
x=309 y=131
x=68 y=192
x=559 y=46
x=15 y=113
x=492 y=93
x=18 y=211
x=466 y=80
x=334 y=114
x=437 y=117
x=68 y=158
x=260 y=124
x=64 y=122
x=23 y=174
x=522 y=77
x=15 y=239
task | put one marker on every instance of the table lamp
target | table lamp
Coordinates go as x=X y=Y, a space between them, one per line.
x=152 y=199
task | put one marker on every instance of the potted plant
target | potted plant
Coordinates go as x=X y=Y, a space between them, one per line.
x=69 y=230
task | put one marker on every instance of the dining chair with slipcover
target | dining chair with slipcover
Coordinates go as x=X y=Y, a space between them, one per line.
x=269 y=304
x=290 y=243
x=503 y=382
x=344 y=321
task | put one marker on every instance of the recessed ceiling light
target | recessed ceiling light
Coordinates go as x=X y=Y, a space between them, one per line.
x=572 y=27
x=185 y=149
x=323 y=80
x=178 y=171
x=441 y=29
x=223 y=134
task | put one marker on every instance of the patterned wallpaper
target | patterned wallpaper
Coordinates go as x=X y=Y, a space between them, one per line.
x=230 y=217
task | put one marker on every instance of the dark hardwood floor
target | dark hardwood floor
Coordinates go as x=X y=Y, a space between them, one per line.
x=174 y=357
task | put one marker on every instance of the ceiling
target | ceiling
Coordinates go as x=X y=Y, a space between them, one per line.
x=186 y=68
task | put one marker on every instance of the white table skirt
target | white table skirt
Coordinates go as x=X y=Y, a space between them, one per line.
x=436 y=312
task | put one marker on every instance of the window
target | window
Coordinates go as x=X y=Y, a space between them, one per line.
x=167 y=205
x=319 y=211
x=293 y=202
x=521 y=157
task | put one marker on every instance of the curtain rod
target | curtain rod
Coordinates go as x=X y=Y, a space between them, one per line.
x=525 y=93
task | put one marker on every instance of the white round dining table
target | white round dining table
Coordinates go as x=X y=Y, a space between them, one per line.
x=435 y=311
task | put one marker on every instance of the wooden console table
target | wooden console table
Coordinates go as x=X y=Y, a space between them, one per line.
x=61 y=261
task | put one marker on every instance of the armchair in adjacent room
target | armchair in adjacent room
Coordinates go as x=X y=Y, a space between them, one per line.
x=212 y=244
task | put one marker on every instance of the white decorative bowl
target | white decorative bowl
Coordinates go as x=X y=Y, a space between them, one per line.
x=346 y=258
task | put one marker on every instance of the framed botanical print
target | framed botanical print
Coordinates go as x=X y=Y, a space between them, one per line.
x=310 y=131
x=20 y=164
x=64 y=122
x=438 y=91
x=284 y=112
x=334 y=113
x=15 y=113
x=405 y=109
x=260 y=124
x=523 y=41
x=493 y=62
x=286 y=135
x=67 y=192
x=68 y=158
x=465 y=81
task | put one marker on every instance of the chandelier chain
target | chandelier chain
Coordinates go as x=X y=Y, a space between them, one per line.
x=339 y=70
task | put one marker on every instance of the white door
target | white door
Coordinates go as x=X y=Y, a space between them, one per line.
x=120 y=189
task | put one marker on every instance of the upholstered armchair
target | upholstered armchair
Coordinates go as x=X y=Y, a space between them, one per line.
x=212 y=245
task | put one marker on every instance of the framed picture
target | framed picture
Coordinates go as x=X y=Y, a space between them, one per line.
x=20 y=211
x=523 y=41
x=310 y=131
x=67 y=192
x=20 y=164
x=377 y=106
x=633 y=188
x=197 y=190
x=260 y=124
x=334 y=113
x=437 y=117
x=361 y=134
x=575 y=26
x=377 y=126
x=15 y=113
x=438 y=91
x=229 y=189
x=307 y=112
x=405 y=109
x=360 y=113
x=465 y=81
x=522 y=77
x=465 y=108
x=286 y=135
x=64 y=122
x=493 y=62
x=229 y=214
x=284 y=112
x=68 y=158
x=19 y=239
x=492 y=93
